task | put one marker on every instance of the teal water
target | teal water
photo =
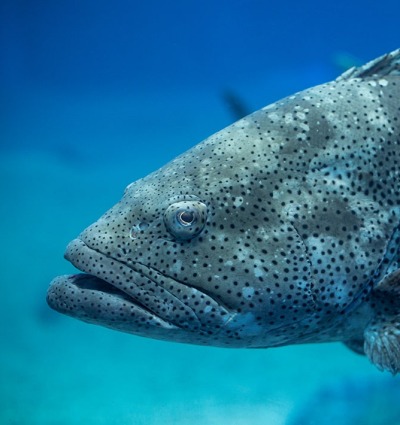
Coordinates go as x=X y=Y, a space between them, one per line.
x=77 y=128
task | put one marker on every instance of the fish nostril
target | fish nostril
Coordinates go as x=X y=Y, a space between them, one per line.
x=137 y=229
x=143 y=226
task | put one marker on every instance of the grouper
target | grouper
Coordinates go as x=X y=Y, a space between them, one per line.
x=283 y=228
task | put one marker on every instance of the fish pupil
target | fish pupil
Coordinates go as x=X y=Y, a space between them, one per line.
x=186 y=218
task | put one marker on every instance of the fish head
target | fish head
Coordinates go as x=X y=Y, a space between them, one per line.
x=191 y=254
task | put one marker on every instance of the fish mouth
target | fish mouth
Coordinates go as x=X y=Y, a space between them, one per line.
x=130 y=296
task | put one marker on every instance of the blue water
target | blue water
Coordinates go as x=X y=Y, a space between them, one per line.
x=95 y=94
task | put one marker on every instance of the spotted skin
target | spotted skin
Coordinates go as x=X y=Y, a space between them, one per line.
x=283 y=228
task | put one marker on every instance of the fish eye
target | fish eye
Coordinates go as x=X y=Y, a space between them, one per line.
x=185 y=219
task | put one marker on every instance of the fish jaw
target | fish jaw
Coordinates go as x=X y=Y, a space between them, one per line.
x=135 y=299
x=88 y=298
x=140 y=301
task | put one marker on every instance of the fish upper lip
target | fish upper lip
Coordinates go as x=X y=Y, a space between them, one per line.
x=133 y=281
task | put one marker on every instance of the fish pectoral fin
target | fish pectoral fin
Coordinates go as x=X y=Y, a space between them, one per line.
x=382 y=345
x=382 y=335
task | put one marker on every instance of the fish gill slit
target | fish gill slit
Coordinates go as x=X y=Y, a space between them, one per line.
x=308 y=259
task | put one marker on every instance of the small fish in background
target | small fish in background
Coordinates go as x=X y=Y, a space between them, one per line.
x=362 y=401
x=235 y=104
x=283 y=228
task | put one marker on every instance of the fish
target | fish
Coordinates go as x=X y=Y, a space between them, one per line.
x=235 y=104
x=281 y=229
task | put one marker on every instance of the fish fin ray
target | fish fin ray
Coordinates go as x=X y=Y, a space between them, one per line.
x=382 y=346
x=388 y=64
x=382 y=335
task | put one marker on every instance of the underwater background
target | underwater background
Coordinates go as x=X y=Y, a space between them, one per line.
x=95 y=94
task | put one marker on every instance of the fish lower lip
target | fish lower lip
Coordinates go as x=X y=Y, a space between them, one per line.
x=93 y=300
x=90 y=282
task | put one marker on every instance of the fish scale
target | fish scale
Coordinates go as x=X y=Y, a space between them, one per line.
x=279 y=229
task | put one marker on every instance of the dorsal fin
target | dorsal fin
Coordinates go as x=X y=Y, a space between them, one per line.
x=388 y=64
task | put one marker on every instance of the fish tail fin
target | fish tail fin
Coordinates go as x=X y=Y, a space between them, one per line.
x=382 y=335
x=388 y=64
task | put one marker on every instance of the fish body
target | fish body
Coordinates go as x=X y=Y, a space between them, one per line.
x=283 y=228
